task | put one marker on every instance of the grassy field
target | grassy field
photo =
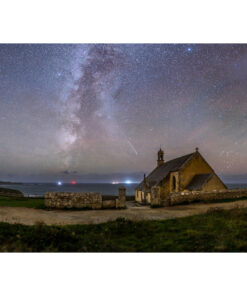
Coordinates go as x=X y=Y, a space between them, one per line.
x=216 y=231
x=37 y=203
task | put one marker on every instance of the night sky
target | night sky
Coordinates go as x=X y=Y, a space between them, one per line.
x=100 y=112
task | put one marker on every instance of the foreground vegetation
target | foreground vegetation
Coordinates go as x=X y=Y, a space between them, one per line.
x=216 y=231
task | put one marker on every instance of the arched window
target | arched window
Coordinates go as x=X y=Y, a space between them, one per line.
x=174 y=183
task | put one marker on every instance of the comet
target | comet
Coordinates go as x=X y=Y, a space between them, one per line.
x=132 y=147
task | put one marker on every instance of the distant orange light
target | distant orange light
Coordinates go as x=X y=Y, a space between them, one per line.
x=73 y=182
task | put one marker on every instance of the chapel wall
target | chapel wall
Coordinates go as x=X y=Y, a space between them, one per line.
x=214 y=183
x=196 y=165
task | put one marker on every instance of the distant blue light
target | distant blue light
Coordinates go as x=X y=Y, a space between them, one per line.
x=189 y=49
x=59 y=183
x=128 y=182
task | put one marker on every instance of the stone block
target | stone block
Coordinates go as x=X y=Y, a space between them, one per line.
x=120 y=203
x=121 y=200
x=122 y=192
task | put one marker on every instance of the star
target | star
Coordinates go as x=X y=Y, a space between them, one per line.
x=104 y=109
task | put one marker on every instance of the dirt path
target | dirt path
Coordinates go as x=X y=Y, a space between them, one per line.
x=31 y=216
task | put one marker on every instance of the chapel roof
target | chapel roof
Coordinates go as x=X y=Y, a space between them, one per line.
x=198 y=181
x=163 y=170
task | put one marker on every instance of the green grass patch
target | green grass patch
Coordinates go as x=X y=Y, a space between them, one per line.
x=36 y=203
x=216 y=231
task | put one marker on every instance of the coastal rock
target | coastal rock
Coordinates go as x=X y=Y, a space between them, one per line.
x=12 y=193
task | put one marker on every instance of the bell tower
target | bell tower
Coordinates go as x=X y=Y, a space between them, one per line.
x=160 y=159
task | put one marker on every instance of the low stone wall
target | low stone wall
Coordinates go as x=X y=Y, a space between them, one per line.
x=86 y=200
x=188 y=197
x=69 y=200
x=109 y=204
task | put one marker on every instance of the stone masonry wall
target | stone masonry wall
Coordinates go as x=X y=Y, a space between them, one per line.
x=155 y=197
x=69 y=200
x=188 y=197
x=80 y=200
x=109 y=204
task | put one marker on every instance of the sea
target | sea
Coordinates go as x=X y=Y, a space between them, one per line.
x=39 y=189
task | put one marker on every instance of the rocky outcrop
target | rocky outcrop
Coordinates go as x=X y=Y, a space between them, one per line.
x=7 y=192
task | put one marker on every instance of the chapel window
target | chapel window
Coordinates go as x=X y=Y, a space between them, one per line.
x=174 y=183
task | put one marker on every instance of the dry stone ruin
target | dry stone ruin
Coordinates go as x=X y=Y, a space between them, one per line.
x=84 y=200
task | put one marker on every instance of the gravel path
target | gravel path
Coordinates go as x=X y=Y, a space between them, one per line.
x=32 y=216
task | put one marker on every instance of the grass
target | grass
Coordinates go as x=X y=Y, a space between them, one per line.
x=36 y=203
x=216 y=231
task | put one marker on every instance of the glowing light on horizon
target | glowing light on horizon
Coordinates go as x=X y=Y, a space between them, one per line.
x=115 y=182
x=59 y=183
x=73 y=182
x=128 y=182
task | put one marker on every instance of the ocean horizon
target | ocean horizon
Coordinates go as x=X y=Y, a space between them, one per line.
x=39 y=189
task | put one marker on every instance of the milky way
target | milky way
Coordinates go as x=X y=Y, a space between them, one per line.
x=95 y=112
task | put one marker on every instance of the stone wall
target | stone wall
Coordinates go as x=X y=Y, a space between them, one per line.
x=86 y=200
x=109 y=204
x=155 y=196
x=188 y=197
x=69 y=200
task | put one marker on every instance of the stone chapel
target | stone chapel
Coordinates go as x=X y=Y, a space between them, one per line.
x=190 y=172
